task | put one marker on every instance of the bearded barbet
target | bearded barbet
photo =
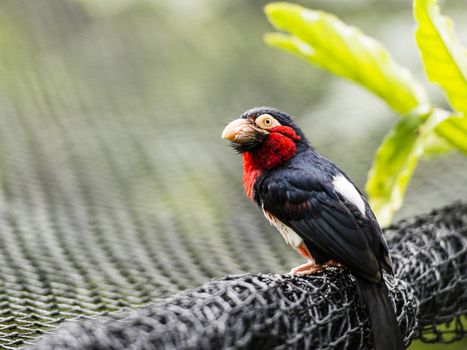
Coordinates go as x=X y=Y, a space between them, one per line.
x=317 y=209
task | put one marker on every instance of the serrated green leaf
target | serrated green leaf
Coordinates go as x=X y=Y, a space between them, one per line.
x=396 y=159
x=327 y=42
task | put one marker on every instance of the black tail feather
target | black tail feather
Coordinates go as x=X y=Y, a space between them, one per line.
x=385 y=329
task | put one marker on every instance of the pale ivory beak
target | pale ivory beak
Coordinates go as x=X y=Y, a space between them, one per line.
x=238 y=130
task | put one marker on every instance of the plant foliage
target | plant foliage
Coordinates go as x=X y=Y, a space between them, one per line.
x=325 y=41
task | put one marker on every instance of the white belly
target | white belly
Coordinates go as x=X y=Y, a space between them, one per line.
x=289 y=235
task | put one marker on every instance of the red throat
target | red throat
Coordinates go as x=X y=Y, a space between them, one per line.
x=276 y=150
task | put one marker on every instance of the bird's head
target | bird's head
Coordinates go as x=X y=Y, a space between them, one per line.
x=258 y=126
x=266 y=138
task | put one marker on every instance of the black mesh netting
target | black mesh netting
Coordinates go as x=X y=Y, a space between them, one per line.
x=321 y=311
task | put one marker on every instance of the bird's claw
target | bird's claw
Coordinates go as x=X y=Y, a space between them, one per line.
x=312 y=267
x=306 y=269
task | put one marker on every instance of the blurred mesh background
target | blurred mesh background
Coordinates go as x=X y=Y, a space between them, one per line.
x=115 y=188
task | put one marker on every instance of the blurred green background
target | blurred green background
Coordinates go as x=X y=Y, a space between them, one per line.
x=188 y=67
x=163 y=78
x=182 y=69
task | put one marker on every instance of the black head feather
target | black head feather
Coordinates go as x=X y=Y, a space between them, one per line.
x=281 y=117
x=248 y=145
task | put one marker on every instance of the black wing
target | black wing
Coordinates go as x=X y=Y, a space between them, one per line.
x=308 y=204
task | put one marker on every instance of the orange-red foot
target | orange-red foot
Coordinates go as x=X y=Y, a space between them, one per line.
x=306 y=269
x=312 y=267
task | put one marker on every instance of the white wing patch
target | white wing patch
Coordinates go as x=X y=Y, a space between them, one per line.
x=346 y=189
x=289 y=235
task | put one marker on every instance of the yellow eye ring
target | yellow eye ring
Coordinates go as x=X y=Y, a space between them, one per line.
x=266 y=121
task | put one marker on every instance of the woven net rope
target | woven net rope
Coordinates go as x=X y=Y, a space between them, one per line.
x=264 y=311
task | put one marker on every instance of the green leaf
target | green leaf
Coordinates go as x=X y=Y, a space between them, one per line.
x=396 y=159
x=444 y=59
x=445 y=63
x=325 y=41
x=435 y=145
x=454 y=130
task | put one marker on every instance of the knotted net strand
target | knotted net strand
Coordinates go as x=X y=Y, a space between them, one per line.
x=265 y=311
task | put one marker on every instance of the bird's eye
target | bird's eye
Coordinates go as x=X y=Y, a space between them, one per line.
x=266 y=121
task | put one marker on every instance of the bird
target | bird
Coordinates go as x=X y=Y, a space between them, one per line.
x=317 y=209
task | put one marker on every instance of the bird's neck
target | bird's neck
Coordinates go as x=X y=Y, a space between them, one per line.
x=275 y=151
